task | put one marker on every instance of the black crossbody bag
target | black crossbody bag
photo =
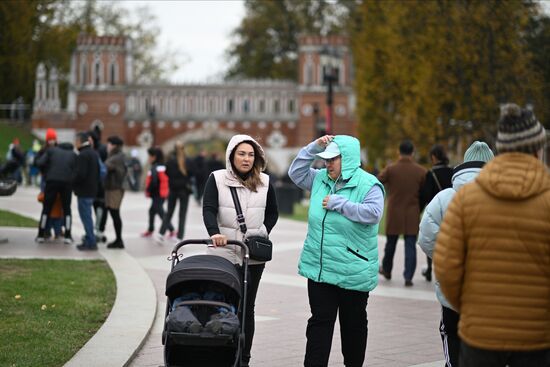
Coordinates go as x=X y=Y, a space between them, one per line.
x=259 y=247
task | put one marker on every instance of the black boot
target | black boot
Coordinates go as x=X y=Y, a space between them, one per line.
x=116 y=244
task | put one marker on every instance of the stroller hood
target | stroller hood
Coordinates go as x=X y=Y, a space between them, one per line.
x=204 y=268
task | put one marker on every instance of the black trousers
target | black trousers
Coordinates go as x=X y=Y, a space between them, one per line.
x=325 y=301
x=51 y=190
x=475 y=357
x=448 y=328
x=254 y=275
x=117 y=223
x=156 y=208
x=183 y=197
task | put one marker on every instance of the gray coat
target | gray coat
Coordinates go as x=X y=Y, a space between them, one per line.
x=116 y=170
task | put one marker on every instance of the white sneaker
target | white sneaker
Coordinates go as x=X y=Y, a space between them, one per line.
x=39 y=240
x=68 y=241
x=158 y=238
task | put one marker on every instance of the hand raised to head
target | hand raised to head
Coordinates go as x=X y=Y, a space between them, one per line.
x=323 y=141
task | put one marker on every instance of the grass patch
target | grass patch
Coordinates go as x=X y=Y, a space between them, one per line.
x=9 y=131
x=300 y=214
x=51 y=308
x=10 y=219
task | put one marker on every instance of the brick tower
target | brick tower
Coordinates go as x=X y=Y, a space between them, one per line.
x=101 y=69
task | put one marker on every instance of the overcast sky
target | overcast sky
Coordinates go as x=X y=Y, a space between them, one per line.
x=198 y=30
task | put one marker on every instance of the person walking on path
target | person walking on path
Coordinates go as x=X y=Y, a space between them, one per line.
x=474 y=159
x=438 y=178
x=57 y=166
x=179 y=181
x=114 y=191
x=245 y=161
x=156 y=187
x=340 y=253
x=492 y=254
x=403 y=181
x=99 y=201
x=85 y=186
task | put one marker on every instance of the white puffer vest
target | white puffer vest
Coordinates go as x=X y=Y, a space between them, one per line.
x=253 y=205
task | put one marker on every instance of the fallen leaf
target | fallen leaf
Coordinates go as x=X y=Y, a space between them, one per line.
x=43 y=307
x=17 y=296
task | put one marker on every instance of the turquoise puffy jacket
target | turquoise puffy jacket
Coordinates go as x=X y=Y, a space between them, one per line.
x=337 y=250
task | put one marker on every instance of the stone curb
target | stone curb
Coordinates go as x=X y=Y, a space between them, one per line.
x=130 y=320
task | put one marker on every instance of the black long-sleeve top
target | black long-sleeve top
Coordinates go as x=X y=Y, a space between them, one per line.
x=210 y=207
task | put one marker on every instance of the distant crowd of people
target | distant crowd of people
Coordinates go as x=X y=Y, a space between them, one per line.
x=99 y=174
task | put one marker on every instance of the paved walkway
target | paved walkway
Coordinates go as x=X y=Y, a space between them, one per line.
x=403 y=322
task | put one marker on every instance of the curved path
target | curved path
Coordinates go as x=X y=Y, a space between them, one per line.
x=403 y=322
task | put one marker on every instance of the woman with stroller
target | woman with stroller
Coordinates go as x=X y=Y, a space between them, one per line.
x=340 y=253
x=244 y=162
x=179 y=181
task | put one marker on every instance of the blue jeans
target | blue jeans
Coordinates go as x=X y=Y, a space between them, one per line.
x=85 y=211
x=410 y=255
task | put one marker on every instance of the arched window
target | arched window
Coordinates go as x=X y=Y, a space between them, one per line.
x=83 y=72
x=291 y=106
x=113 y=74
x=276 y=106
x=97 y=73
x=230 y=105
x=261 y=106
x=246 y=106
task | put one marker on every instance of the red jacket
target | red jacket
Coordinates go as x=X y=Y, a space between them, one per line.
x=156 y=183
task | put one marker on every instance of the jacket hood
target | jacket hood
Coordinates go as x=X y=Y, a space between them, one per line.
x=350 y=150
x=514 y=176
x=236 y=140
x=466 y=172
x=66 y=146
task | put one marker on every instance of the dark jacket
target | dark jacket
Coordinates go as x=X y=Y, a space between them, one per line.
x=57 y=163
x=86 y=178
x=444 y=175
x=116 y=170
x=176 y=179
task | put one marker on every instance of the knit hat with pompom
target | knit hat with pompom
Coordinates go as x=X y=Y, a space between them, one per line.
x=519 y=131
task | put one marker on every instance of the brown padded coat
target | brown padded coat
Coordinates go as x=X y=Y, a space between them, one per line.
x=492 y=256
x=403 y=181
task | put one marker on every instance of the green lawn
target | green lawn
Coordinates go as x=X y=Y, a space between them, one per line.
x=300 y=213
x=9 y=131
x=50 y=308
x=9 y=219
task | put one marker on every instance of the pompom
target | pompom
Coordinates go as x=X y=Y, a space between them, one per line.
x=510 y=110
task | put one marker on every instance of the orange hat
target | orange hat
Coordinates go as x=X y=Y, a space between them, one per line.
x=51 y=134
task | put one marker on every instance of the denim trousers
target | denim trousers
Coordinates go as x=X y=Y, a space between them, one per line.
x=85 y=211
x=410 y=254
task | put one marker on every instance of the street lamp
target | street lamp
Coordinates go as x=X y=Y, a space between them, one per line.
x=150 y=109
x=330 y=62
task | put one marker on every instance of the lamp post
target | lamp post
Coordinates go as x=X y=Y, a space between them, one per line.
x=329 y=61
x=150 y=109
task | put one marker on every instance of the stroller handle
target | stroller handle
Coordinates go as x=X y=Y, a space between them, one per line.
x=208 y=242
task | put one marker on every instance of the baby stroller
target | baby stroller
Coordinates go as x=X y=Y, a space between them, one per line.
x=206 y=298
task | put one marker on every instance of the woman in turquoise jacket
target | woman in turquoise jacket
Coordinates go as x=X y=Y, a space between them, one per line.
x=340 y=253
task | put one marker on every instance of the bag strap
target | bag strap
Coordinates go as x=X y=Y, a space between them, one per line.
x=436 y=180
x=240 y=216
